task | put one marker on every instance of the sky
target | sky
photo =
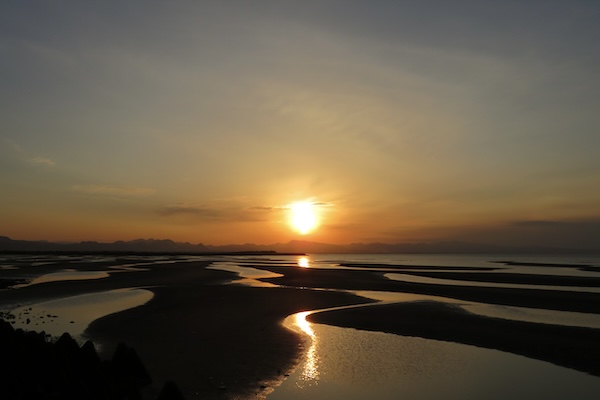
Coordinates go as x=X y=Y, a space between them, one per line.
x=398 y=121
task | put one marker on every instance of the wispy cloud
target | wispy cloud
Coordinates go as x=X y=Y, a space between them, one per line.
x=269 y=208
x=322 y=204
x=218 y=212
x=287 y=207
x=42 y=162
x=190 y=209
x=112 y=190
x=24 y=156
x=539 y=223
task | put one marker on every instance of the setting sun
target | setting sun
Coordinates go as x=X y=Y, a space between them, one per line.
x=303 y=218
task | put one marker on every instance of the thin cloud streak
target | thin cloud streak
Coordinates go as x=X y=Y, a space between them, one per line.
x=186 y=209
x=230 y=213
x=42 y=161
x=111 y=190
x=24 y=156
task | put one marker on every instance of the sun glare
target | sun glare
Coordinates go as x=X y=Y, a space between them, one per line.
x=303 y=262
x=303 y=218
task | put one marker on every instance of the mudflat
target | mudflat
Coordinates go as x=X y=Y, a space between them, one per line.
x=567 y=346
x=218 y=340
x=213 y=339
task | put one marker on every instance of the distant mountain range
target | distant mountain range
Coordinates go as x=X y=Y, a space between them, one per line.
x=295 y=246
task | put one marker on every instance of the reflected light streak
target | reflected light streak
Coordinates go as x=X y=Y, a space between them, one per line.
x=303 y=262
x=310 y=373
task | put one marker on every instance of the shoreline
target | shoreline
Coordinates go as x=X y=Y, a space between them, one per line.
x=214 y=340
x=567 y=346
x=214 y=349
x=217 y=340
x=584 y=302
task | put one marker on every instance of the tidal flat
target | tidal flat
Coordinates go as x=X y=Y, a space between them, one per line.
x=214 y=325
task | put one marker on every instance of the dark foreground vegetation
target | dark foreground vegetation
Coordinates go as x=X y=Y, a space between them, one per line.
x=33 y=367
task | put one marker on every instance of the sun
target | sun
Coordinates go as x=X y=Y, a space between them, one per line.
x=303 y=217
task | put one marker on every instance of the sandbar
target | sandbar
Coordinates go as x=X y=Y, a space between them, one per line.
x=567 y=346
x=222 y=341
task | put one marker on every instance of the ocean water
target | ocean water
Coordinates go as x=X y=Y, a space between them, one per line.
x=353 y=364
x=356 y=365
x=248 y=268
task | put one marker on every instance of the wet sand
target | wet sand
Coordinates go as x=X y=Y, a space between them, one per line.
x=216 y=341
x=219 y=341
x=373 y=280
x=506 y=277
x=567 y=346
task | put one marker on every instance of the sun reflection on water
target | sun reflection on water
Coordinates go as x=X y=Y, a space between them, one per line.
x=310 y=372
x=303 y=262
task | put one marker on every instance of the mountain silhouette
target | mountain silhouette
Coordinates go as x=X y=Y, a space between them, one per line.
x=295 y=246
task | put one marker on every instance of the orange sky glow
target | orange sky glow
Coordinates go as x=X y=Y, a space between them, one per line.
x=203 y=122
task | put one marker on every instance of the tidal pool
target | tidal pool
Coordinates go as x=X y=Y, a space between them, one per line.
x=455 y=282
x=353 y=364
x=67 y=275
x=73 y=314
x=515 y=313
x=248 y=276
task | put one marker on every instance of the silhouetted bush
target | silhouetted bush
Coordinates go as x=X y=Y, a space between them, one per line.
x=35 y=368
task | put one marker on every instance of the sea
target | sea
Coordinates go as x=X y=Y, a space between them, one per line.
x=354 y=364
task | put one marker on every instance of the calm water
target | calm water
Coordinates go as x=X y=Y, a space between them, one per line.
x=249 y=271
x=352 y=364
x=73 y=314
